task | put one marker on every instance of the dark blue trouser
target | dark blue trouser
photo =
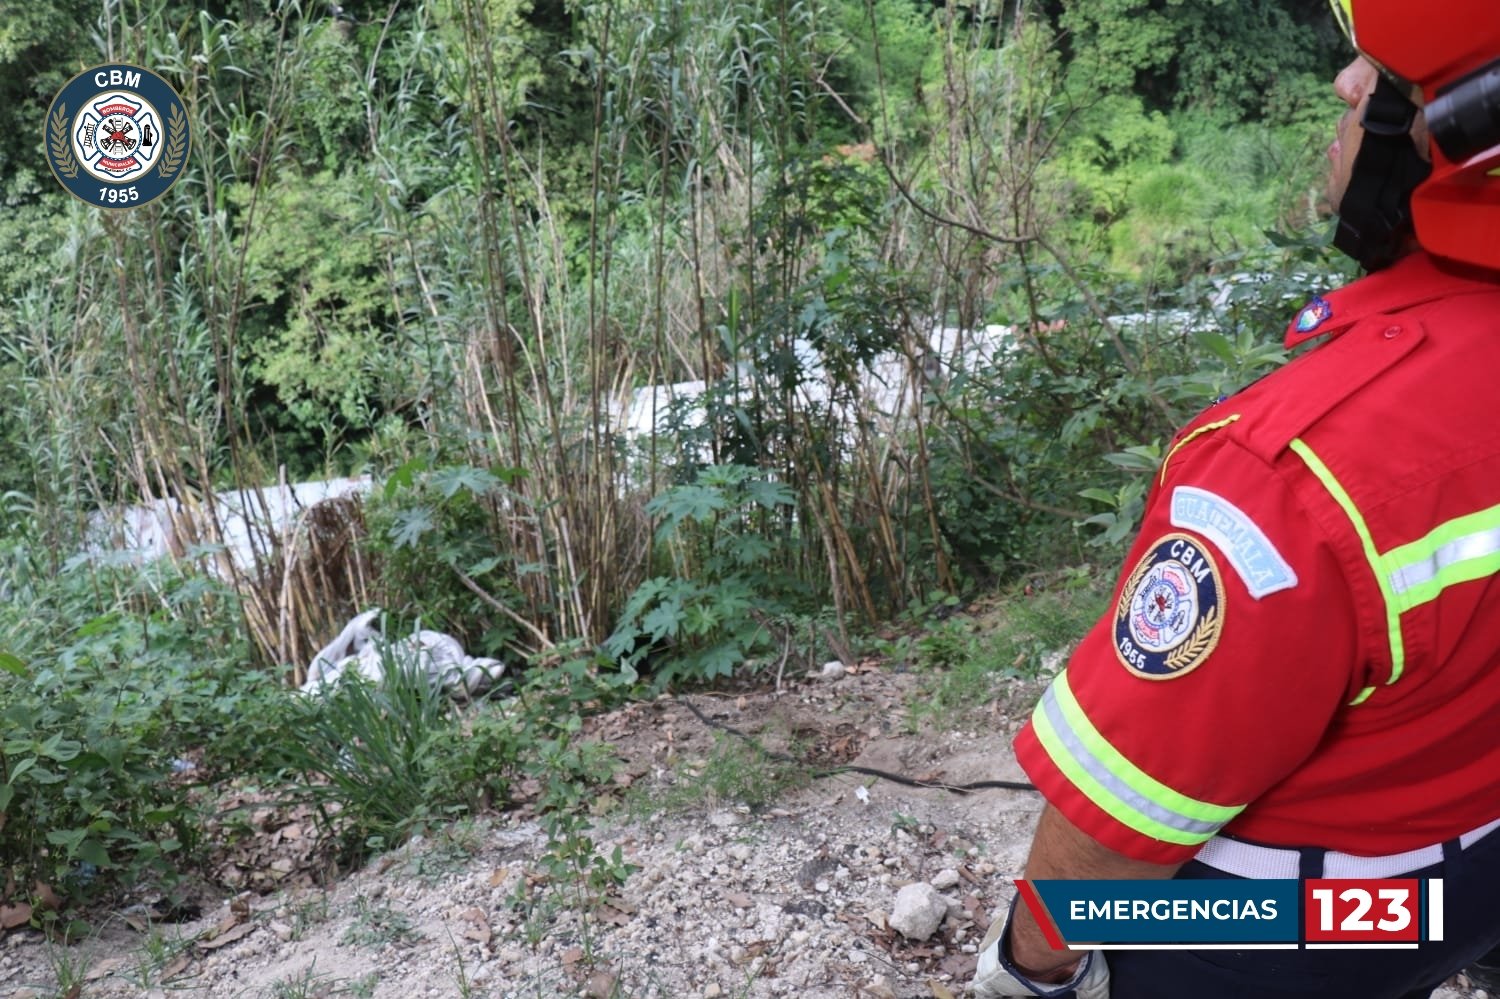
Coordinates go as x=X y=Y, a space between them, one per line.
x=1472 y=927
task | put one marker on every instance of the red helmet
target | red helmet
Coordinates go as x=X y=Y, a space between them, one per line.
x=1451 y=50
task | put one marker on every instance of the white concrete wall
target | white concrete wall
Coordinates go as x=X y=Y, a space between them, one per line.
x=249 y=519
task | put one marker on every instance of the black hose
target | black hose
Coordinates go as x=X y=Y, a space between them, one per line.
x=971 y=786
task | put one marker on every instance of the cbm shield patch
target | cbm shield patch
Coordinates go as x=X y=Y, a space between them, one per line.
x=117 y=136
x=1171 y=610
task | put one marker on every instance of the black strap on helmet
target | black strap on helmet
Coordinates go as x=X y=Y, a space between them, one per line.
x=1375 y=213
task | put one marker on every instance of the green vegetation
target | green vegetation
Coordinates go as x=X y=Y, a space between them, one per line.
x=720 y=607
x=440 y=243
x=99 y=728
x=378 y=924
x=735 y=772
x=309 y=984
x=1027 y=634
x=380 y=756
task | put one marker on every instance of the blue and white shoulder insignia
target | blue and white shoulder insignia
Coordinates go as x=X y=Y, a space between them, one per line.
x=1171 y=610
x=1314 y=314
x=1241 y=540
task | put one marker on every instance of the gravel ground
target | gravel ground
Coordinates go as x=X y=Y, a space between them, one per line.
x=792 y=899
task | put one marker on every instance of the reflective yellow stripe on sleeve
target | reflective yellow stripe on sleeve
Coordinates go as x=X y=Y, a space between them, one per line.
x=1121 y=789
x=1356 y=519
x=1410 y=575
x=1459 y=551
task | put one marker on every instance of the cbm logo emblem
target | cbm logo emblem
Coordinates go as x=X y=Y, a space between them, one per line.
x=117 y=136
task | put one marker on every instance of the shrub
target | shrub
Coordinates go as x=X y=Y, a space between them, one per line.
x=381 y=760
x=437 y=531
x=108 y=727
x=716 y=609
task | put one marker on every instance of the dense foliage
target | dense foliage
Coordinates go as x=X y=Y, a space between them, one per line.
x=442 y=242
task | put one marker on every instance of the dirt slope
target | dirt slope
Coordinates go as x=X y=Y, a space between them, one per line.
x=790 y=898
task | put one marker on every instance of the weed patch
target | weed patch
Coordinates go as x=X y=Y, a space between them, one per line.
x=378 y=924
x=1026 y=636
x=732 y=773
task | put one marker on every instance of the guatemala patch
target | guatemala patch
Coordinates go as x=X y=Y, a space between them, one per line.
x=1314 y=314
x=1252 y=554
x=1171 y=610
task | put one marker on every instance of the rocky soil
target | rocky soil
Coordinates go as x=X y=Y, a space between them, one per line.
x=796 y=897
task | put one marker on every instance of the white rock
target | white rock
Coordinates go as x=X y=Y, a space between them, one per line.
x=918 y=911
x=832 y=670
x=945 y=879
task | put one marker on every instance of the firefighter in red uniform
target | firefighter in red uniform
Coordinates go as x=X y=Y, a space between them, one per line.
x=1300 y=673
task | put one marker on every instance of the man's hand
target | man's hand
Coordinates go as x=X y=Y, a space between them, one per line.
x=1060 y=850
x=997 y=977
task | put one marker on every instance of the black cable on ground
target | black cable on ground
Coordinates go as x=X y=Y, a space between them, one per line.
x=978 y=785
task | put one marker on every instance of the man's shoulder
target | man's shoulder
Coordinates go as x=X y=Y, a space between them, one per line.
x=1415 y=285
x=1291 y=401
x=1416 y=346
x=1394 y=368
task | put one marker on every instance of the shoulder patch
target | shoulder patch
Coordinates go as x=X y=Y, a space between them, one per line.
x=1252 y=554
x=1171 y=610
x=1314 y=314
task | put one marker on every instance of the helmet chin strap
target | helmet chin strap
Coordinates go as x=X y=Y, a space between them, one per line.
x=1375 y=213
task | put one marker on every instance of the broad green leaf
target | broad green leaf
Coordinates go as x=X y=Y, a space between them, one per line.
x=484 y=565
x=662 y=621
x=404 y=475
x=1218 y=345
x=720 y=660
x=411 y=525
x=91 y=851
x=450 y=480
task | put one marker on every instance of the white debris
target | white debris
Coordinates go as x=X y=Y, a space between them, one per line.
x=945 y=879
x=918 y=911
x=440 y=657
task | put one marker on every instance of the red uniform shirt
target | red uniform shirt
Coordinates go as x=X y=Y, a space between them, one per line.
x=1304 y=649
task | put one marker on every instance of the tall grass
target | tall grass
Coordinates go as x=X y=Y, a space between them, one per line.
x=519 y=281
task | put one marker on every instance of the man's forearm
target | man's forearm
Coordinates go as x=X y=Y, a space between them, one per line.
x=1060 y=850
